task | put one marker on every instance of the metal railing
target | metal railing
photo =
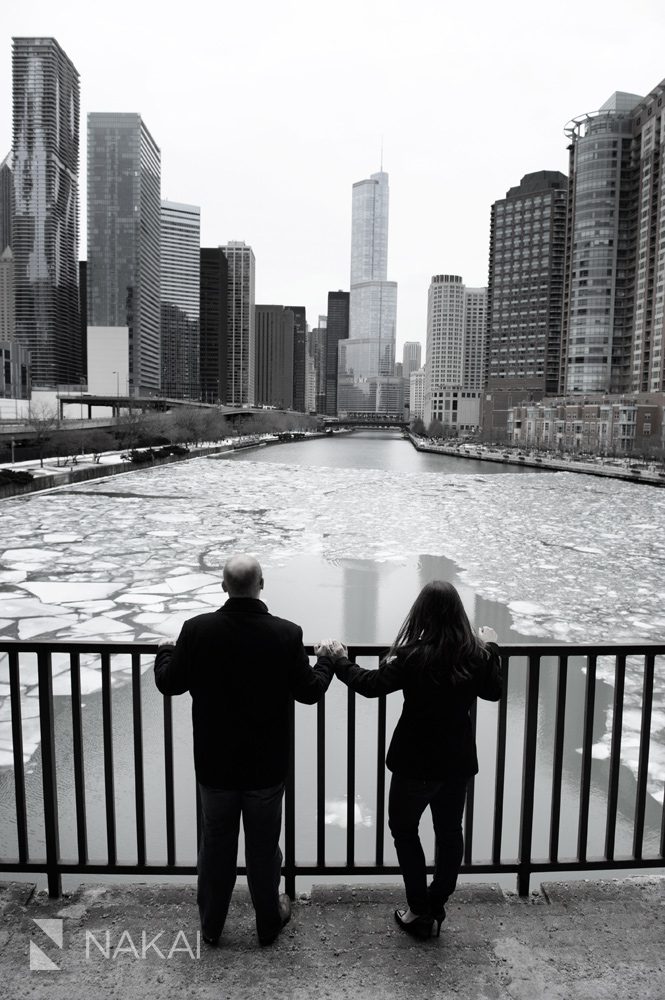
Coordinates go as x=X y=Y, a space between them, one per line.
x=538 y=721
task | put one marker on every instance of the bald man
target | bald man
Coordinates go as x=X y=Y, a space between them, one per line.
x=242 y=666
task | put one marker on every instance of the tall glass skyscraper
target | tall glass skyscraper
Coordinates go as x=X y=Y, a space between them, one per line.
x=241 y=329
x=614 y=316
x=369 y=352
x=123 y=272
x=180 y=297
x=45 y=237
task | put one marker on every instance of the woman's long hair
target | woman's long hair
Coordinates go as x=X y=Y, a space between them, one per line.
x=438 y=626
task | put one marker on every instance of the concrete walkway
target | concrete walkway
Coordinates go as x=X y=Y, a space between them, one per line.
x=587 y=940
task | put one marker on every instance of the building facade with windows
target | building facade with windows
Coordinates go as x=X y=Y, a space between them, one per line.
x=45 y=209
x=336 y=332
x=275 y=336
x=124 y=242
x=614 y=311
x=605 y=425
x=6 y=197
x=525 y=285
x=299 y=352
x=417 y=394
x=411 y=358
x=180 y=285
x=213 y=319
x=241 y=319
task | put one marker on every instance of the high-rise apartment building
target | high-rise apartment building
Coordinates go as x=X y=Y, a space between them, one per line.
x=411 y=357
x=213 y=320
x=613 y=321
x=475 y=326
x=337 y=330
x=299 y=352
x=369 y=351
x=6 y=195
x=275 y=336
x=454 y=333
x=525 y=284
x=123 y=272
x=45 y=237
x=180 y=282
x=241 y=339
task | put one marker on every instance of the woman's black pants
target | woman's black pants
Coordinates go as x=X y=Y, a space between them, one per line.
x=408 y=799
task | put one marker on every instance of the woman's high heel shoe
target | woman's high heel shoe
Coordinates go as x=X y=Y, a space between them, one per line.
x=437 y=920
x=418 y=927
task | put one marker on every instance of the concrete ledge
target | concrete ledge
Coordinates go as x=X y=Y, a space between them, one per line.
x=573 y=941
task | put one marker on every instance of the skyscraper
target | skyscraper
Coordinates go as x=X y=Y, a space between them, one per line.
x=273 y=380
x=241 y=343
x=124 y=240
x=613 y=320
x=475 y=325
x=411 y=357
x=525 y=285
x=45 y=158
x=370 y=350
x=6 y=194
x=299 y=351
x=180 y=282
x=337 y=330
x=315 y=389
x=455 y=327
x=7 y=315
x=213 y=320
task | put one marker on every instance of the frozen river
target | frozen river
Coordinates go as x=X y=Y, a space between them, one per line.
x=347 y=531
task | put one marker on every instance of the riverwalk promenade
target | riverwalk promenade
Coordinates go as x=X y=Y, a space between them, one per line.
x=589 y=940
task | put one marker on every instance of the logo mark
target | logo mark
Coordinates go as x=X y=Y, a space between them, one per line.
x=39 y=960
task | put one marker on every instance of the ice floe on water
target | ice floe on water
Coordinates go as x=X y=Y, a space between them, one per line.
x=573 y=558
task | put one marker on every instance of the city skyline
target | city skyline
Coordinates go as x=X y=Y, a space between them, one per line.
x=442 y=188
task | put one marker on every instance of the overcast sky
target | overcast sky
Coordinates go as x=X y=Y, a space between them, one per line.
x=266 y=112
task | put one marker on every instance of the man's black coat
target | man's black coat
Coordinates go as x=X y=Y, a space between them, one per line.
x=241 y=666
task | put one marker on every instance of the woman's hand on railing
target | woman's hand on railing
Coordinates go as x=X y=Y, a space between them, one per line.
x=333 y=648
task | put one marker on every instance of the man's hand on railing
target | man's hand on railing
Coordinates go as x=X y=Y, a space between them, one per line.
x=332 y=648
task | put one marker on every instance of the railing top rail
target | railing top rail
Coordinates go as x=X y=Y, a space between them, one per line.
x=355 y=649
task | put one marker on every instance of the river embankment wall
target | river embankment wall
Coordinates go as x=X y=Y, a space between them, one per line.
x=644 y=476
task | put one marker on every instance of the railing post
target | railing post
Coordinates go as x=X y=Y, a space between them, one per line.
x=290 y=813
x=49 y=785
x=350 y=778
x=528 y=774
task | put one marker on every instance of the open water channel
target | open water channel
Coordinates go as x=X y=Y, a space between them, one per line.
x=347 y=529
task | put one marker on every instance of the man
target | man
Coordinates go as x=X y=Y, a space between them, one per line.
x=241 y=666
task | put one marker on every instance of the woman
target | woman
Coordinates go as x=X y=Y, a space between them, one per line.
x=442 y=667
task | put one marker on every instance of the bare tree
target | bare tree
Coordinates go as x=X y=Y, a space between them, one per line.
x=131 y=427
x=43 y=420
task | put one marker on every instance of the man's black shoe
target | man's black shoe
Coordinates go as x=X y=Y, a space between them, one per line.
x=284 y=915
x=212 y=941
